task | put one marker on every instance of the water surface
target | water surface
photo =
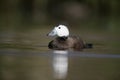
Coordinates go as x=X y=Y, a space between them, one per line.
x=62 y=65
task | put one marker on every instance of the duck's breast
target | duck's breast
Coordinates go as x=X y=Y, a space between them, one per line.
x=72 y=42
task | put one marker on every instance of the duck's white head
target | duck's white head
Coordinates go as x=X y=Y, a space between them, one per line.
x=60 y=31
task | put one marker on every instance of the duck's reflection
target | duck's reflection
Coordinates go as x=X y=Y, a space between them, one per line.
x=60 y=64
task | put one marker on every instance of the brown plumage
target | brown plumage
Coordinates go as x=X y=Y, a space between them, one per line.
x=64 y=43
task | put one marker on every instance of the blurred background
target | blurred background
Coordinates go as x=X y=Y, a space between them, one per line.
x=25 y=23
x=28 y=21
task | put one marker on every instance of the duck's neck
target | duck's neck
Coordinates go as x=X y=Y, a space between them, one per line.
x=63 y=38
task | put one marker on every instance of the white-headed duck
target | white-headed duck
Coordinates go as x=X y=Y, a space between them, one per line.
x=65 y=42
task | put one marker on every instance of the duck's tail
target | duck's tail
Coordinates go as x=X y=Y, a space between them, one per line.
x=88 y=45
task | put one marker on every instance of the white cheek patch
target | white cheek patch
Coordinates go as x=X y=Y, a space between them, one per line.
x=59 y=31
x=63 y=32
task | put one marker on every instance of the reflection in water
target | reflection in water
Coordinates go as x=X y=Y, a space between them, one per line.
x=60 y=64
x=34 y=65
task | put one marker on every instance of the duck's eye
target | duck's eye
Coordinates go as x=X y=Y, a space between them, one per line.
x=59 y=27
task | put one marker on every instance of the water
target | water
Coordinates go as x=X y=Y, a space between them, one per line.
x=23 y=42
x=24 y=55
x=58 y=65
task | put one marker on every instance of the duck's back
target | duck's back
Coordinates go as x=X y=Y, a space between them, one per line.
x=71 y=42
x=77 y=42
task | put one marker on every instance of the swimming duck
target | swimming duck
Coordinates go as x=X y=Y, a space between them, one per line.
x=64 y=41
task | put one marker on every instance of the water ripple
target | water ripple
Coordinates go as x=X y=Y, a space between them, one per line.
x=50 y=54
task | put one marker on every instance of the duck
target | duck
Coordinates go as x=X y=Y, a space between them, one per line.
x=64 y=41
